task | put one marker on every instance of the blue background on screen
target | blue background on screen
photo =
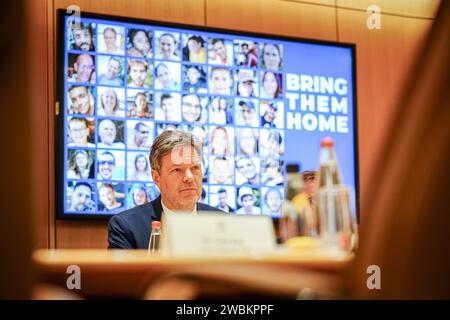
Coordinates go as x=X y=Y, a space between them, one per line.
x=300 y=146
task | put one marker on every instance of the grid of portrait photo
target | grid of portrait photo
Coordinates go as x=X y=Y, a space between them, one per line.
x=127 y=83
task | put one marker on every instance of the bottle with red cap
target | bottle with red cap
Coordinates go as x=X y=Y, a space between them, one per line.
x=155 y=235
x=329 y=174
x=337 y=226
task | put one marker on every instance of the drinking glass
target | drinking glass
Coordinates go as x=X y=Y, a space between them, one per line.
x=337 y=225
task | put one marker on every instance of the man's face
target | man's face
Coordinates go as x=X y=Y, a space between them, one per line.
x=274 y=201
x=168 y=106
x=142 y=136
x=107 y=132
x=191 y=108
x=78 y=132
x=309 y=187
x=83 y=39
x=180 y=178
x=110 y=39
x=222 y=196
x=138 y=73
x=245 y=49
x=167 y=46
x=248 y=201
x=106 y=195
x=113 y=69
x=106 y=166
x=81 y=198
x=247 y=168
x=81 y=100
x=220 y=81
x=84 y=68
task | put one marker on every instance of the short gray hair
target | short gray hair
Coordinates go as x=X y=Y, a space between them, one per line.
x=169 y=140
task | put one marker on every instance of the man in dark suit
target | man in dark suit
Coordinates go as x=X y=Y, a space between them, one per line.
x=175 y=159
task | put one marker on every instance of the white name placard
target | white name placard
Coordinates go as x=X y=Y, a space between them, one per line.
x=216 y=234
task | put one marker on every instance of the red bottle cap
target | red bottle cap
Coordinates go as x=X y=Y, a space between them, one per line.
x=327 y=142
x=156 y=224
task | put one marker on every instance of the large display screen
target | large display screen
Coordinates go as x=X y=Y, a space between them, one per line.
x=257 y=102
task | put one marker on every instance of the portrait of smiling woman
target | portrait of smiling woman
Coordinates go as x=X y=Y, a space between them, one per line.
x=140 y=106
x=108 y=104
x=167 y=76
x=140 y=43
x=167 y=45
x=140 y=168
x=220 y=141
x=271 y=85
x=271 y=56
x=247 y=141
x=137 y=195
x=194 y=50
x=80 y=165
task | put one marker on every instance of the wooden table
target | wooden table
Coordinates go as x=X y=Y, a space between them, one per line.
x=129 y=273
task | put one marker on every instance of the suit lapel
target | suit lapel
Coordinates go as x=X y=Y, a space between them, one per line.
x=157 y=208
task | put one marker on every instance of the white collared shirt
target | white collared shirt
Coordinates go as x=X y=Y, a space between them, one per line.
x=168 y=211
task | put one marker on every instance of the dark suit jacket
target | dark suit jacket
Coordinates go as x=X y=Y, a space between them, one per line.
x=130 y=229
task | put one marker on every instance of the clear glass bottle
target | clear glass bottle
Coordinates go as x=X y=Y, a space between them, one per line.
x=337 y=227
x=155 y=235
